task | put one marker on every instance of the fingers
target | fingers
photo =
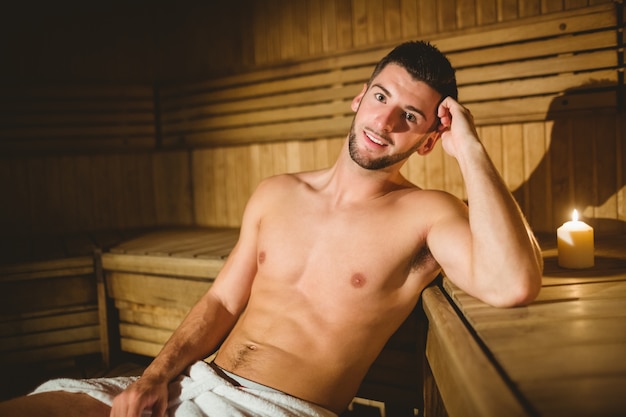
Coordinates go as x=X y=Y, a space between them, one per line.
x=450 y=109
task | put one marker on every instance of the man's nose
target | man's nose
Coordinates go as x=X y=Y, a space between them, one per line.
x=386 y=119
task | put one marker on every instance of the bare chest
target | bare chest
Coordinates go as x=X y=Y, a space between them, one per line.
x=372 y=251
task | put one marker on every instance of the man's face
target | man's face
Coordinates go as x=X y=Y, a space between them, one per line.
x=395 y=117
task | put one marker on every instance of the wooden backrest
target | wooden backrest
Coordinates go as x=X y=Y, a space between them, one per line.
x=507 y=72
x=56 y=118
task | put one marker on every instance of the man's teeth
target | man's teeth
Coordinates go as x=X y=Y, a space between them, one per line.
x=373 y=139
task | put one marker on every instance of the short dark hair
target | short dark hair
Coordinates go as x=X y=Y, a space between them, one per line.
x=425 y=63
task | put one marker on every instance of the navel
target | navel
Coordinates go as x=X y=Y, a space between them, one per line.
x=261 y=257
x=358 y=280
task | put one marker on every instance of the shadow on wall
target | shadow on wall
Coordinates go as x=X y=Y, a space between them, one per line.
x=580 y=168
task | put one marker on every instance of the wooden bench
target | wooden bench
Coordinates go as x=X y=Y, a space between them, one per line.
x=48 y=296
x=153 y=280
x=507 y=72
x=49 y=313
x=48 y=303
x=561 y=355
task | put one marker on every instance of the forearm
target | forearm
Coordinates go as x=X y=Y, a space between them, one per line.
x=197 y=337
x=506 y=259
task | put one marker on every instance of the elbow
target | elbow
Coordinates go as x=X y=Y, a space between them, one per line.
x=523 y=292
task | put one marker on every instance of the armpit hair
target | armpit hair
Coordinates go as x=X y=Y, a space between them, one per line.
x=423 y=258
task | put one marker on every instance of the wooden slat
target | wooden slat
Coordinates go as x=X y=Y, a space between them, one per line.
x=144 y=333
x=150 y=315
x=154 y=290
x=48 y=320
x=140 y=347
x=534 y=48
x=530 y=60
x=537 y=86
x=457 y=360
x=199 y=105
x=284 y=131
x=594 y=395
x=48 y=338
x=538 y=67
x=37 y=269
x=49 y=353
x=589 y=18
x=43 y=294
x=199 y=268
x=261 y=117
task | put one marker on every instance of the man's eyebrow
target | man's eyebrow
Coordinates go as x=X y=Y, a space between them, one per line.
x=408 y=107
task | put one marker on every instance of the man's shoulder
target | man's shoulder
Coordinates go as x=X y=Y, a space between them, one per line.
x=288 y=181
x=435 y=195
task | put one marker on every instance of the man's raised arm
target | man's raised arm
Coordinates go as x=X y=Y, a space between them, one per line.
x=489 y=251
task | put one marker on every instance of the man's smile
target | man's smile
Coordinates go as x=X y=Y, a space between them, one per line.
x=376 y=140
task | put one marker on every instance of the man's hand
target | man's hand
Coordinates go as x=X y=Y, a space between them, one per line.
x=145 y=394
x=456 y=128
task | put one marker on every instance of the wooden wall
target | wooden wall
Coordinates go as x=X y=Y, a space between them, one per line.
x=284 y=29
x=51 y=185
x=552 y=166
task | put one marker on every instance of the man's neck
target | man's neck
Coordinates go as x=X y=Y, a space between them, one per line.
x=347 y=182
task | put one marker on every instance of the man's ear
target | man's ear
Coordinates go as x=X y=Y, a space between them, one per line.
x=429 y=143
x=356 y=101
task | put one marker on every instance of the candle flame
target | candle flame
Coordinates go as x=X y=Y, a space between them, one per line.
x=575 y=215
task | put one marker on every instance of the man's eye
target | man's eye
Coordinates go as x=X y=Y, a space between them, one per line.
x=410 y=117
x=379 y=97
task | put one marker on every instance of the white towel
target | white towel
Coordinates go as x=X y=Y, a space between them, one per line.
x=201 y=392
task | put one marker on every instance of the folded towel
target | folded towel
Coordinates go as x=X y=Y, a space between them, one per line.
x=200 y=392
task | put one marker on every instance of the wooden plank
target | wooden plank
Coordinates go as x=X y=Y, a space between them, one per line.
x=591 y=18
x=537 y=67
x=150 y=315
x=65 y=144
x=484 y=317
x=143 y=333
x=171 y=176
x=26 y=341
x=585 y=397
x=44 y=294
x=299 y=130
x=564 y=362
x=80 y=265
x=55 y=119
x=179 y=242
x=155 y=290
x=456 y=360
x=69 y=131
x=534 y=86
x=538 y=108
x=49 y=353
x=531 y=335
x=260 y=117
x=140 y=347
x=539 y=210
x=198 y=268
x=66 y=91
x=48 y=320
x=545 y=48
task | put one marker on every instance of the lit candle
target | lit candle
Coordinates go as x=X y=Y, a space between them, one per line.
x=575 y=244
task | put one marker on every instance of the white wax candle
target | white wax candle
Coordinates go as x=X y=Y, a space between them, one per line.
x=575 y=244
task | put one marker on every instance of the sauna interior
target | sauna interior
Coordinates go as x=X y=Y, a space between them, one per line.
x=120 y=119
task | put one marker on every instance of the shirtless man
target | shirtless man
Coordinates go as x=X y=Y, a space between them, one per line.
x=330 y=263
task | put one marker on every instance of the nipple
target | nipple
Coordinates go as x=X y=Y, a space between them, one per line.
x=261 y=257
x=358 y=280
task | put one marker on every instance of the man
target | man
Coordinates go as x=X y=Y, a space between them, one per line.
x=329 y=263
